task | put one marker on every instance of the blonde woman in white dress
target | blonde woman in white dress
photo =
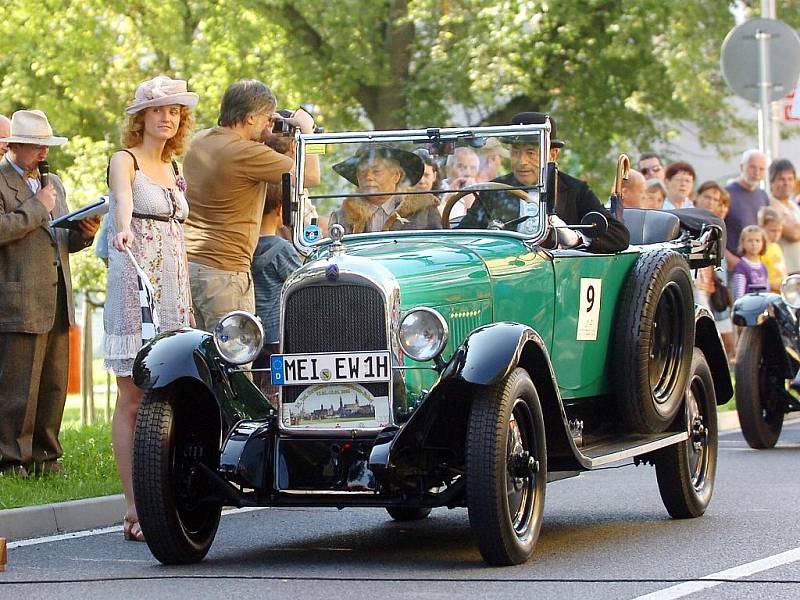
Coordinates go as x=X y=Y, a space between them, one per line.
x=148 y=208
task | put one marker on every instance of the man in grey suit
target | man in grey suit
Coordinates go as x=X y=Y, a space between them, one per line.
x=35 y=299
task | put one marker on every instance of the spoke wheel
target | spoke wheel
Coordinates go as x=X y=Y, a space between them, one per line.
x=760 y=411
x=686 y=471
x=666 y=348
x=174 y=500
x=506 y=469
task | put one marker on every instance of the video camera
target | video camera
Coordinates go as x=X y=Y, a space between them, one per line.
x=282 y=127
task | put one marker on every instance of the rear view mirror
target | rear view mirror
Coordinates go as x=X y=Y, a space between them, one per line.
x=594 y=224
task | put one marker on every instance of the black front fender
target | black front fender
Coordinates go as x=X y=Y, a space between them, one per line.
x=490 y=353
x=772 y=312
x=753 y=310
x=173 y=355
x=190 y=354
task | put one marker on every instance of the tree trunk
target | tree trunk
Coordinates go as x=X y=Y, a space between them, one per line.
x=387 y=105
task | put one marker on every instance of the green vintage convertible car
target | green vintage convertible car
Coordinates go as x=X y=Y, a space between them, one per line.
x=423 y=365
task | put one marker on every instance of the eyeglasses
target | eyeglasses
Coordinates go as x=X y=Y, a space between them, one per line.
x=655 y=169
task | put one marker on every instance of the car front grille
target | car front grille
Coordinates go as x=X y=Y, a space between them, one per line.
x=334 y=318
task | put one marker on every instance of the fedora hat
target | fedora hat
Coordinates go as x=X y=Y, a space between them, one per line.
x=534 y=118
x=161 y=91
x=32 y=127
x=411 y=164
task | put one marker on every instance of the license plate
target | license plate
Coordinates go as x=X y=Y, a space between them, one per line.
x=334 y=367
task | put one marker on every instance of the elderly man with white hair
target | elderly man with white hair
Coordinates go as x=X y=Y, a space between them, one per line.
x=462 y=171
x=746 y=200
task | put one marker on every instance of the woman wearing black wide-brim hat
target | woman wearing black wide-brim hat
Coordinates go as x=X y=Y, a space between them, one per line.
x=381 y=168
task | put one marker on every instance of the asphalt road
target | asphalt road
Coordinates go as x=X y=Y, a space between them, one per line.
x=605 y=535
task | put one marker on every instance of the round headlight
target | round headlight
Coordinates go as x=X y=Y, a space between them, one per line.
x=423 y=333
x=790 y=290
x=239 y=337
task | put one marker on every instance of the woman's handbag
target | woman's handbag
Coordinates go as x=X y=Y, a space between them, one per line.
x=720 y=298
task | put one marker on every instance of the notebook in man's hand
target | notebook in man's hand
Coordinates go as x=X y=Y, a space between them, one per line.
x=71 y=220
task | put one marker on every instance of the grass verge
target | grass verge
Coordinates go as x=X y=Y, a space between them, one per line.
x=89 y=471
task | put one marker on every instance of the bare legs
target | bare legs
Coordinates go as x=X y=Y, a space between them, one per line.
x=122 y=427
x=729 y=341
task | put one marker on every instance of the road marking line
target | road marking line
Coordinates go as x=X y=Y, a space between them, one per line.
x=103 y=530
x=745 y=570
x=64 y=536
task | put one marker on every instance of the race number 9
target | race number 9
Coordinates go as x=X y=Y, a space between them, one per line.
x=590 y=298
x=589 y=309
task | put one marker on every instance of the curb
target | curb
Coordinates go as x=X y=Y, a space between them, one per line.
x=92 y=513
x=727 y=420
x=47 y=519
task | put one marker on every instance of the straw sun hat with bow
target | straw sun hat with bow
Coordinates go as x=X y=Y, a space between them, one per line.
x=161 y=91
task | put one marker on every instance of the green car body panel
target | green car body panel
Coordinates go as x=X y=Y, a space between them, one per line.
x=477 y=280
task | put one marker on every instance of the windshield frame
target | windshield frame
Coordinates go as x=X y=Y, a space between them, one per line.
x=299 y=197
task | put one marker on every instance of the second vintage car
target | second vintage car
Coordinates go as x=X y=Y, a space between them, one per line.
x=422 y=366
x=767 y=361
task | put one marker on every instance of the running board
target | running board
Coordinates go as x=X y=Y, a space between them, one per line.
x=613 y=450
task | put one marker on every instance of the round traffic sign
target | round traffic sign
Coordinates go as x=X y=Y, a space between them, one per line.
x=740 y=58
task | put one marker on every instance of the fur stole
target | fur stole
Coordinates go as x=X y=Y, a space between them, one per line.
x=356 y=211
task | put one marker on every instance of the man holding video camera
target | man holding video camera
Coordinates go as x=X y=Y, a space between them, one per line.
x=227 y=170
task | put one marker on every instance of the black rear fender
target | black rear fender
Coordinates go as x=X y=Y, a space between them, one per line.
x=706 y=338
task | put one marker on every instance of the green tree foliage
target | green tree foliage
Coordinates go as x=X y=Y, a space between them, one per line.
x=617 y=74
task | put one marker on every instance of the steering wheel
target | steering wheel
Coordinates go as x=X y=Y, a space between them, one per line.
x=471 y=189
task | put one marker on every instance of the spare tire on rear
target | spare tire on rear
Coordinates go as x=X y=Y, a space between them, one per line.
x=654 y=340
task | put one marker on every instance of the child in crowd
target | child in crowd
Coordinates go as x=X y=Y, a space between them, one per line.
x=750 y=274
x=274 y=260
x=771 y=222
x=654 y=194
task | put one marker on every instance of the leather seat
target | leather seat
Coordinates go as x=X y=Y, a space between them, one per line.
x=651 y=226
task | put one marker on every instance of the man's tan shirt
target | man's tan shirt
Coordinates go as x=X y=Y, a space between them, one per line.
x=226 y=179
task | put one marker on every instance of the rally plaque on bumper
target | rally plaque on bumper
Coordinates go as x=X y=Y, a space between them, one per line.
x=333 y=367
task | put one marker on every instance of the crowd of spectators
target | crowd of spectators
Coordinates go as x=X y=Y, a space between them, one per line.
x=763 y=227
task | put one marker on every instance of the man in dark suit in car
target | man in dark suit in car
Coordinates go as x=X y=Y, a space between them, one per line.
x=574 y=197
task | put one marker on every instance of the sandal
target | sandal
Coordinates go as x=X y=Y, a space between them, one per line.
x=132 y=530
